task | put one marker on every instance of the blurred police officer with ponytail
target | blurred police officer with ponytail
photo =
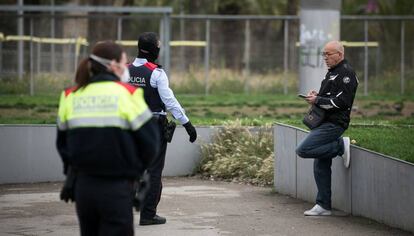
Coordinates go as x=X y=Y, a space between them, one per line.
x=146 y=74
x=106 y=135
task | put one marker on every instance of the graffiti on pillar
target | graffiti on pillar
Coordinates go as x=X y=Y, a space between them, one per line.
x=311 y=46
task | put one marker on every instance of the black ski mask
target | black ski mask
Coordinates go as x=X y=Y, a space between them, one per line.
x=148 y=46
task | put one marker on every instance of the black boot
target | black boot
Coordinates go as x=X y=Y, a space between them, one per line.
x=156 y=220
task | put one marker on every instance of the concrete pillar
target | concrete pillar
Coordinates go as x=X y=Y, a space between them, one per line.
x=319 y=23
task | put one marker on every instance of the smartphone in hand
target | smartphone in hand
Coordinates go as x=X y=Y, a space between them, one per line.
x=302 y=96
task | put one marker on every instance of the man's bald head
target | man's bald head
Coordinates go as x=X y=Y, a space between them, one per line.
x=333 y=53
x=336 y=45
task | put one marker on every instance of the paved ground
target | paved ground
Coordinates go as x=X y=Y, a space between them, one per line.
x=192 y=207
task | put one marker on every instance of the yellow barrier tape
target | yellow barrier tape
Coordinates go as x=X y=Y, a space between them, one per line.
x=79 y=40
x=360 y=44
x=353 y=44
x=127 y=42
x=18 y=38
x=82 y=41
x=188 y=43
x=172 y=43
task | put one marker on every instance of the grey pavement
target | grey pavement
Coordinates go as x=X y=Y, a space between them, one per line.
x=192 y=207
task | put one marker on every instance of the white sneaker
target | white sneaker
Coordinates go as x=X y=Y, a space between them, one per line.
x=317 y=211
x=347 y=152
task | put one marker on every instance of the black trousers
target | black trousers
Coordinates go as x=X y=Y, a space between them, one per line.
x=104 y=206
x=149 y=209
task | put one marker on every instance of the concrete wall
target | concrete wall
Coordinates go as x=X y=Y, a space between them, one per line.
x=28 y=153
x=375 y=186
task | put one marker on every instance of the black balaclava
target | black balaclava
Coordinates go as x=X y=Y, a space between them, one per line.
x=148 y=46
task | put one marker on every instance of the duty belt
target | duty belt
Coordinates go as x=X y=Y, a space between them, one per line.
x=160 y=113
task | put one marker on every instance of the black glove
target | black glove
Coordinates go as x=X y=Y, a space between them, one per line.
x=191 y=131
x=68 y=191
x=141 y=187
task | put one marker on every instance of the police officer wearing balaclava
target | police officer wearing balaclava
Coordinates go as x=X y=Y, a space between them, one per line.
x=145 y=73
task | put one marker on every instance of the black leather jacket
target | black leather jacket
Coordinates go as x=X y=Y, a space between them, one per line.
x=337 y=94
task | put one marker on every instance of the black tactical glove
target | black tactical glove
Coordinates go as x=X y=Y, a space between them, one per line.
x=141 y=187
x=191 y=131
x=68 y=191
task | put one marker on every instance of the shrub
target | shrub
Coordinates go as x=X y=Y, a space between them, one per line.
x=239 y=154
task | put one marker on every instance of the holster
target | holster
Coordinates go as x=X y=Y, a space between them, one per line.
x=169 y=129
x=68 y=190
x=140 y=190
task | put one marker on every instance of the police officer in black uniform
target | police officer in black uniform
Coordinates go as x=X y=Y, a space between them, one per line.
x=146 y=74
x=106 y=135
x=336 y=96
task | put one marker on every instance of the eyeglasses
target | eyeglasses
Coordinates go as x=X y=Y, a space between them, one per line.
x=325 y=54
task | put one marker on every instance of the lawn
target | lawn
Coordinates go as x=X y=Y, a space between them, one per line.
x=382 y=124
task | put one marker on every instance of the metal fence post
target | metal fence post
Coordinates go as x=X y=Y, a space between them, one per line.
x=377 y=62
x=75 y=55
x=1 y=56
x=246 y=56
x=161 y=35
x=366 y=58
x=119 y=29
x=84 y=54
x=39 y=44
x=52 y=33
x=402 y=57
x=207 y=58
x=285 y=56
x=166 y=42
x=182 y=37
x=31 y=58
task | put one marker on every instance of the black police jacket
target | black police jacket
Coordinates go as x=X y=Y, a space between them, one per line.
x=337 y=94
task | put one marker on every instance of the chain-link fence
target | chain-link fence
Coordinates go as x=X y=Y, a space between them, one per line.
x=207 y=54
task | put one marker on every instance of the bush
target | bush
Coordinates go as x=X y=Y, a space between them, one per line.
x=239 y=154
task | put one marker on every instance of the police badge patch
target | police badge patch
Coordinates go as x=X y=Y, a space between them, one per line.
x=346 y=80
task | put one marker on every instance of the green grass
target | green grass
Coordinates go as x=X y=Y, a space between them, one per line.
x=25 y=101
x=394 y=141
x=24 y=109
x=393 y=138
x=382 y=129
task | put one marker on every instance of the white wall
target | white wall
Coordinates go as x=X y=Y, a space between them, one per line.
x=28 y=153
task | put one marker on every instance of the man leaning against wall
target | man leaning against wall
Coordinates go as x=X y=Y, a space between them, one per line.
x=323 y=143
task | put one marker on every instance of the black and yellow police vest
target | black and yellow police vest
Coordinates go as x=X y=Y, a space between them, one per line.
x=99 y=121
